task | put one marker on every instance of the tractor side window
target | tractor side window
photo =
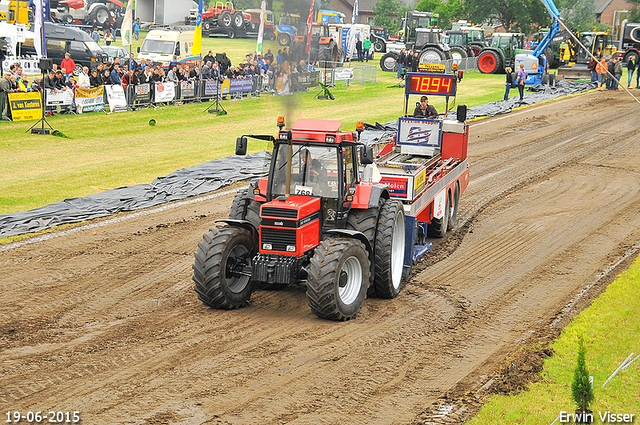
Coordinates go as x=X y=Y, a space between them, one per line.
x=177 y=51
x=348 y=166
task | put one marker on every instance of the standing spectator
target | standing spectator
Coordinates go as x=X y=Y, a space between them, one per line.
x=366 y=45
x=6 y=87
x=522 y=78
x=631 y=66
x=132 y=62
x=116 y=77
x=136 y=29
x=285 y=55
x=215 y=71
x=269 y=55
x=592 y=67
x=84 y=81
x=205 y=73
x=174 y=62
x=617 y=73
x=601 y=69
x=359 y=48
x=402 y=58
x=279 y=60
x=172 y=75
x=610 y=69
x=68 y=64
x=208 y=58
x=94 y=79
x=95 y=34
x=509 y=83
x=194 y=73
x=108 y=38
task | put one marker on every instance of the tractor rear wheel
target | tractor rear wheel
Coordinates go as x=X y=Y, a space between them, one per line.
x=389 y=249
x=458 y=53
x=284 y=39
x=439 y=226
x=101 y=14
x=489 y=62
x=389 y=62
x=431 y=54
x=237 y=19
x=220 y=269
x=243 y=208
x=338 y=278
x=224 y=19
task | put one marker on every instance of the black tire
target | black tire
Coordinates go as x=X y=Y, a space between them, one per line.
x=231 y=34
x=630 y=55
x=329 y=53
x=364 y=221
x=453 y=212
x=101 y=14
x=389 y=62
x=458 y=53
x=548 y=54
x=489 y=62
x=219 y=259
x=439 y=226
x=206 y=25
x=379 y=46
x=338 y=278
x=430 y=54
x=67 y=19
x=389 y=249
x=284 y=39
x=237 y=19
x=78 y=69
x=244 y=208
x=224 y=19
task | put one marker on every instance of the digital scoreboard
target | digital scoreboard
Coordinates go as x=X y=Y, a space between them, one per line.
x=430 y=84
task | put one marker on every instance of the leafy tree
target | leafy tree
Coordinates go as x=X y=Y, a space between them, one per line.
x=449 y=11
x=520 y=15
x=634 y=14
x=385 y=12
x=297 y=6
x=581 y=387
x=578 y=14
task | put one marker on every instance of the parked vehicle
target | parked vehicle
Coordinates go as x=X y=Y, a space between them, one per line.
x=160 y=46
x=501 y=52
x=222 y=18
x=16 y=12
x=287 y=28
x=85 y=12
x=117 y=52
x=629 y=46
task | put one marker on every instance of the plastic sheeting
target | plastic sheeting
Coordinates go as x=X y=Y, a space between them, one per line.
x=215 y=174
x=181 y=184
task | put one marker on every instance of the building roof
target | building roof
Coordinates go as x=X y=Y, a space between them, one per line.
x=601 y=5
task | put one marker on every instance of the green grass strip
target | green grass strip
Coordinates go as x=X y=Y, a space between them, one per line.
x=611 y=330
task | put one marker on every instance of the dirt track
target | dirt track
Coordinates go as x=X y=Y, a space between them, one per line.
x=105 y=321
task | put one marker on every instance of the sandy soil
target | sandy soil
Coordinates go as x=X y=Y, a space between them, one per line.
x=103 y=319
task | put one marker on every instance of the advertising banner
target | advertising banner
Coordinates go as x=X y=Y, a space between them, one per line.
x=116 y=98
x=59 y=97
x=187 y=89
x=25 y=106
x=90 y=100
x=210 y=88
x=143 y=93
x=343 y=73
x=165 y=92
x=240 y=86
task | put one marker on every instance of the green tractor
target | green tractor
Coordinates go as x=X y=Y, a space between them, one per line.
x=501 y=52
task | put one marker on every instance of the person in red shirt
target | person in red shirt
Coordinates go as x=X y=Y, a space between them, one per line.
x=68 y=65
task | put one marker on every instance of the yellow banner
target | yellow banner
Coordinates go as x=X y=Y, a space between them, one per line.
x=25 y=106
x=86 y=93
x=432 y=67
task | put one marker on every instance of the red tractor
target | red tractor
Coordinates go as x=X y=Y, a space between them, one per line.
x=84 y=12
x=222 y=16
x=318 y=221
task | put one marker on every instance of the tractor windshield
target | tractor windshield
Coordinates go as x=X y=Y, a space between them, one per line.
x=457 y=39
x=314 y=171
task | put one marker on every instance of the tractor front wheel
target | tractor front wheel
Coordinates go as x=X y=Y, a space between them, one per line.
x=222 y=269
x=389 y=251
x=338 y=278
x=389 y=62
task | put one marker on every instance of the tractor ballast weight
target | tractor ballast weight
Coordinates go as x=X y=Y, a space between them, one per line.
x=321 y=220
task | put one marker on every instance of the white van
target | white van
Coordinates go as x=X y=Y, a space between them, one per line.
x=160 y=46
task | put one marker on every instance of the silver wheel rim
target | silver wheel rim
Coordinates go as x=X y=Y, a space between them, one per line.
x=350 y=280
x=457 y=57
x=102 y=16
x=390 y=63
x=430 y=55
x=397 y=250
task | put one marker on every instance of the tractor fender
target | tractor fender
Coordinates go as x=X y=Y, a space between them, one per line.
x=245 y=224
x=353 y=234
x=378 y=192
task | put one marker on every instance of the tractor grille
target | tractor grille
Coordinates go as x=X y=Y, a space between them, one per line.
x=279 y=212
x=278 y=238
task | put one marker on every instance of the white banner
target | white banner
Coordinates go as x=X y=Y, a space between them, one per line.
x=343 y=73
x=115 y=97
x=61 y=98
x=165 y=92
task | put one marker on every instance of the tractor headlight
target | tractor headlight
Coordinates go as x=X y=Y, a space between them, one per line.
x=291 y=248
x=267 y=247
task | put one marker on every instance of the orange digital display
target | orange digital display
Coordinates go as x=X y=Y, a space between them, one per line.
x=436 y=84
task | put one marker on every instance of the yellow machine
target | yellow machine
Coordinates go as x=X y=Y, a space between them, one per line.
x=576 y=59
x=15 y=12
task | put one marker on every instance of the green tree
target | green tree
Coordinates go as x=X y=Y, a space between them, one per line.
x=385 y=13
x=634 y=14
x=578 y=14
x=515 y=15
x=297 y=6
x=581 y=387
x=449 y=11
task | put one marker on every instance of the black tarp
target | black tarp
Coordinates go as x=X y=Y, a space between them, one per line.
x=213 y=175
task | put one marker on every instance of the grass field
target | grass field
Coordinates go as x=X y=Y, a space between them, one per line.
x=611 y=330
x=107 y=151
